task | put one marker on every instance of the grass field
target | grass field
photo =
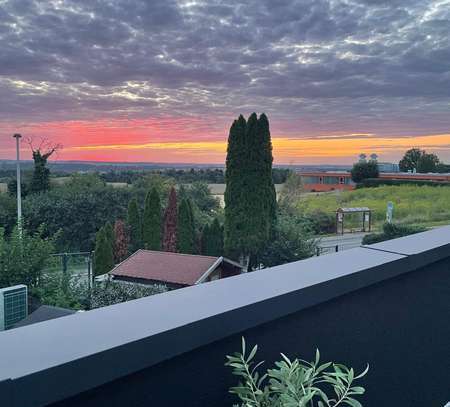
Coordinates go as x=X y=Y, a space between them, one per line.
x=426 y=205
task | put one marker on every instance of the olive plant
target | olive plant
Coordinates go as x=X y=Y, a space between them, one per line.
x=294 y=383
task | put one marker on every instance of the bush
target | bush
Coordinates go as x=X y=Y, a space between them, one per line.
x=322 y=222
x=111 y=292
x=392 y=231
x=292 y=241
x=294 y=383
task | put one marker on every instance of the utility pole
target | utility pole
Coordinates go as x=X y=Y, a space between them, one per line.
x=19 y=184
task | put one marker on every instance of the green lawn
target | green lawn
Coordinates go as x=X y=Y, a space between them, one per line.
x=426 y=205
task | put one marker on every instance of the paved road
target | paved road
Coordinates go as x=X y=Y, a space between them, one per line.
x=344 y=242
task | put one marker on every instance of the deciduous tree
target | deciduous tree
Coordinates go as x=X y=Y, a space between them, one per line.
x=410 y=160
x=364 y=170
x=40 y=181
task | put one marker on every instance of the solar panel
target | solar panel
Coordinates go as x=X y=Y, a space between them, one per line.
x=13 y=305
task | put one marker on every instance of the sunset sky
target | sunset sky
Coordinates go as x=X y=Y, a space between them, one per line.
x=162 y=80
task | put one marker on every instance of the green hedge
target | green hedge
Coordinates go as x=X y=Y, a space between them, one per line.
x=391 y=231
x=376 y=182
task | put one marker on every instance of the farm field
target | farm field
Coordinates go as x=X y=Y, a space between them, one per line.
x=413 y=205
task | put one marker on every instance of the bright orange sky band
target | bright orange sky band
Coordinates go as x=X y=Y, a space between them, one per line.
x=153 y=141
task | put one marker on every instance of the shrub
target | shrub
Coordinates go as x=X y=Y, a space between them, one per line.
x=294 y=383
x=322 y=222
x=110 y=292
x=392 y=231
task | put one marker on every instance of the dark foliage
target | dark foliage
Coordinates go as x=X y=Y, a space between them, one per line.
x=212 y=239
x=186 y=238
x=392 y=231
x=363 y=170
x=376 y=182
x=250 y=199
x=134 y=226
x=103 y=255
x=152 y=221
x=170 y=223
x=121 y=241
x=419 y=160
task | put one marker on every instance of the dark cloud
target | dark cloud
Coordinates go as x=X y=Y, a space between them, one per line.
x=294 y=58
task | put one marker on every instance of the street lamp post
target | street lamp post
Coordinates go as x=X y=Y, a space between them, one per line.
x=19 y=184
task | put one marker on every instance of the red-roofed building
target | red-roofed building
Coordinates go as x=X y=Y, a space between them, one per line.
x=173 y=269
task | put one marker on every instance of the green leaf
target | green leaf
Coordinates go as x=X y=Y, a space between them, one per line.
x=358 y=390
x=252 y=353
x=363 y=373
x=353 y=402
x=317 y=356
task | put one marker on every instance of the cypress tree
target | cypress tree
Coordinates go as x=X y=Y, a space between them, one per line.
x=186 y=230
x=151 y=225
x=214 y=243
x=270 y=196
x=170 y=223
x=104 y=258
x=250 y=198
x=121 y=241
x=204 y=240
x=109 y=233
x=134 y=225
x=235 y=189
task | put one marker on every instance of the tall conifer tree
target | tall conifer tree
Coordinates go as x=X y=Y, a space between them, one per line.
x=250 y=200
x=214 y=242
x=204 y=240
x=103 y=255
x=186 y=229
x=170 y=223
x=235 y=188
x=152 y=222
x=270 y=196
x=109 y=233
x=134 y=225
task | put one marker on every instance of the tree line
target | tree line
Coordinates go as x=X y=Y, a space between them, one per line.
x=170 y=229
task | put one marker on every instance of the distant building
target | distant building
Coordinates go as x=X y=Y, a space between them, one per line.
x=322 y=181
x=388 y=167
x=329 y=181
x=175 y=270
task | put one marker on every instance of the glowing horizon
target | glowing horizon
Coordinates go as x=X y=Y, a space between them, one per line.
x=115 y=142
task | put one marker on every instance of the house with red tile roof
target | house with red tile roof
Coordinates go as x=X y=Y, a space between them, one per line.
x=175 y=270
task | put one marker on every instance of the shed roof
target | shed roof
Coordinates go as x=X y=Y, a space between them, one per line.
x=360 y=209
x=44 y=313
x=175 y=268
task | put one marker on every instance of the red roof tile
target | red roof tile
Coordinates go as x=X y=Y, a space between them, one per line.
x=176 y=268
